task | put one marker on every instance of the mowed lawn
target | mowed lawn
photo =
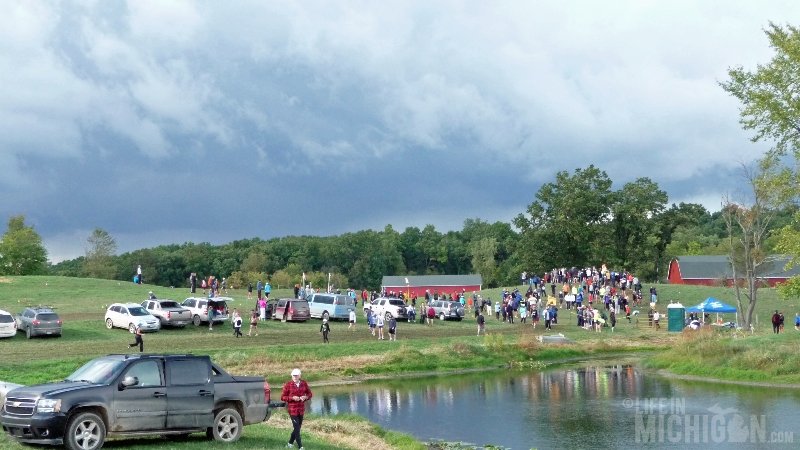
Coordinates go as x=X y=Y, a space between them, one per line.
x=445 y=347
x=281 y=346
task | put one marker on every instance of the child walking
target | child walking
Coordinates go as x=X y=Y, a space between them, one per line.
x=253 y=323
x=237 y=323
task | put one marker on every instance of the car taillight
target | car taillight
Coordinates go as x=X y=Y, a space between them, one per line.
x=266 y=392
x=205 y=310
x=36 y=322
x=169 y=315
x=291 y=310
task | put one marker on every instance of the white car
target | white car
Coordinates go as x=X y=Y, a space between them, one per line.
x=389 y=307
x=129 y=315
x=8 y=325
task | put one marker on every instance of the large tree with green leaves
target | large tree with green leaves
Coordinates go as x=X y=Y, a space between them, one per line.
x=100 y=249
x=770 y=99
x=567 y=224
x=21 y=250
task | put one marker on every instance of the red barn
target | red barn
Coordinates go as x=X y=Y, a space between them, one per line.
x=416 y=285
x=711 y=270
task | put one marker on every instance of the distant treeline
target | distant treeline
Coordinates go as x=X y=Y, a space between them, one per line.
x=575 y=221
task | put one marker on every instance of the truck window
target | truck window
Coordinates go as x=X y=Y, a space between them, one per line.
x=187 y=372
x=147 y=372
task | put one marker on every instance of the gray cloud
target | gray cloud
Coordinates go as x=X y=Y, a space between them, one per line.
x=167 y=122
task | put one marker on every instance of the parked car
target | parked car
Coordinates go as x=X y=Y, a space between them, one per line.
x=199 y=308
x=330 y=306
x=129 y=315
x=368 y=305
x=8 y=325
x=136 y=395
x=291 y=309
x=39 y=321
x=389 y=307
x=169 y=312
x=448 y=309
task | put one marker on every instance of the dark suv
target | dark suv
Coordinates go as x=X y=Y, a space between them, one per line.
x=39 y=321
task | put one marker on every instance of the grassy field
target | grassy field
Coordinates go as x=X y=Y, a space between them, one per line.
x=355 y=354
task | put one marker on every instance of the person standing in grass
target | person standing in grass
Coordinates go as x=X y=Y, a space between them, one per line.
x=392 y=329
x=325 y=328
x=776 y=322
x=296 y=393
x=262 y=308
x=379 y=322
x=352 y=325
x=481 y=324
x=371 y=321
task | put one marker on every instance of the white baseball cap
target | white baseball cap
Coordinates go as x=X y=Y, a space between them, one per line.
x=295 y=372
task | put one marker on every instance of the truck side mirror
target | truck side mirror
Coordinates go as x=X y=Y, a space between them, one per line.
x=128 y=382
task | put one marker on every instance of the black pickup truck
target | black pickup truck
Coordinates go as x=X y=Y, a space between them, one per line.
x=136 y=395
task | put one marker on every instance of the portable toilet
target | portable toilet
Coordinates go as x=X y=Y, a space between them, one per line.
x=676 y=317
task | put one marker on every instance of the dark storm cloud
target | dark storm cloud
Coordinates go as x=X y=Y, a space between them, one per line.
x=166 y=122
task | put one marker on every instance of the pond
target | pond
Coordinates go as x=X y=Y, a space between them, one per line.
x=591 y=406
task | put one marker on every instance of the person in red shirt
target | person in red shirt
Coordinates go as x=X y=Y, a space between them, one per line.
x=296 y=393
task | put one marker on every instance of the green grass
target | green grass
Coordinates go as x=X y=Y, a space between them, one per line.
x=354 y=354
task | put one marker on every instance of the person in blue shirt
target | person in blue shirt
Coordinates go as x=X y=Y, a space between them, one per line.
x=267 y=289
x=797 y=322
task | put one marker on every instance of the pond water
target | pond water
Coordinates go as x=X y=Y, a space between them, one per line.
x=592 y=406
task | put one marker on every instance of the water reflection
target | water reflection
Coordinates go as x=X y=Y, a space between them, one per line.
x=596 y=406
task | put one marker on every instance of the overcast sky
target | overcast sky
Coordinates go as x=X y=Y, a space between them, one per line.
x=167 y=122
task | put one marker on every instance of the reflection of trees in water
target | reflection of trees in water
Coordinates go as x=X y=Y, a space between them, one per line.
x=544 y=393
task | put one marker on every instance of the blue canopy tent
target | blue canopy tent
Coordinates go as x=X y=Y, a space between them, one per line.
x=711 y=304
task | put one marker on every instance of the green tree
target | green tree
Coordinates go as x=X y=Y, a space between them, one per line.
x=482 y=252
x=769 y=95
x=254 y=262
x=567 y=224
x=770 y=108
x=21 y=250
x=100 y=250
x=637 y=203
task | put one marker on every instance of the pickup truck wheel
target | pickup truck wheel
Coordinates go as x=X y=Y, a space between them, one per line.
x=109 y=324
x=227 y=425
x=325 y=315
x=85 y=431
x=441 y=316
x=196 y=320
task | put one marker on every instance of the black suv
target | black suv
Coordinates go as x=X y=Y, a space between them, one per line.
x=39 y=321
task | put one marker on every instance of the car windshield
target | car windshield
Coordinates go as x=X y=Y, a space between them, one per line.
x=97 y=371
x=138 y=311
x=169 y=304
